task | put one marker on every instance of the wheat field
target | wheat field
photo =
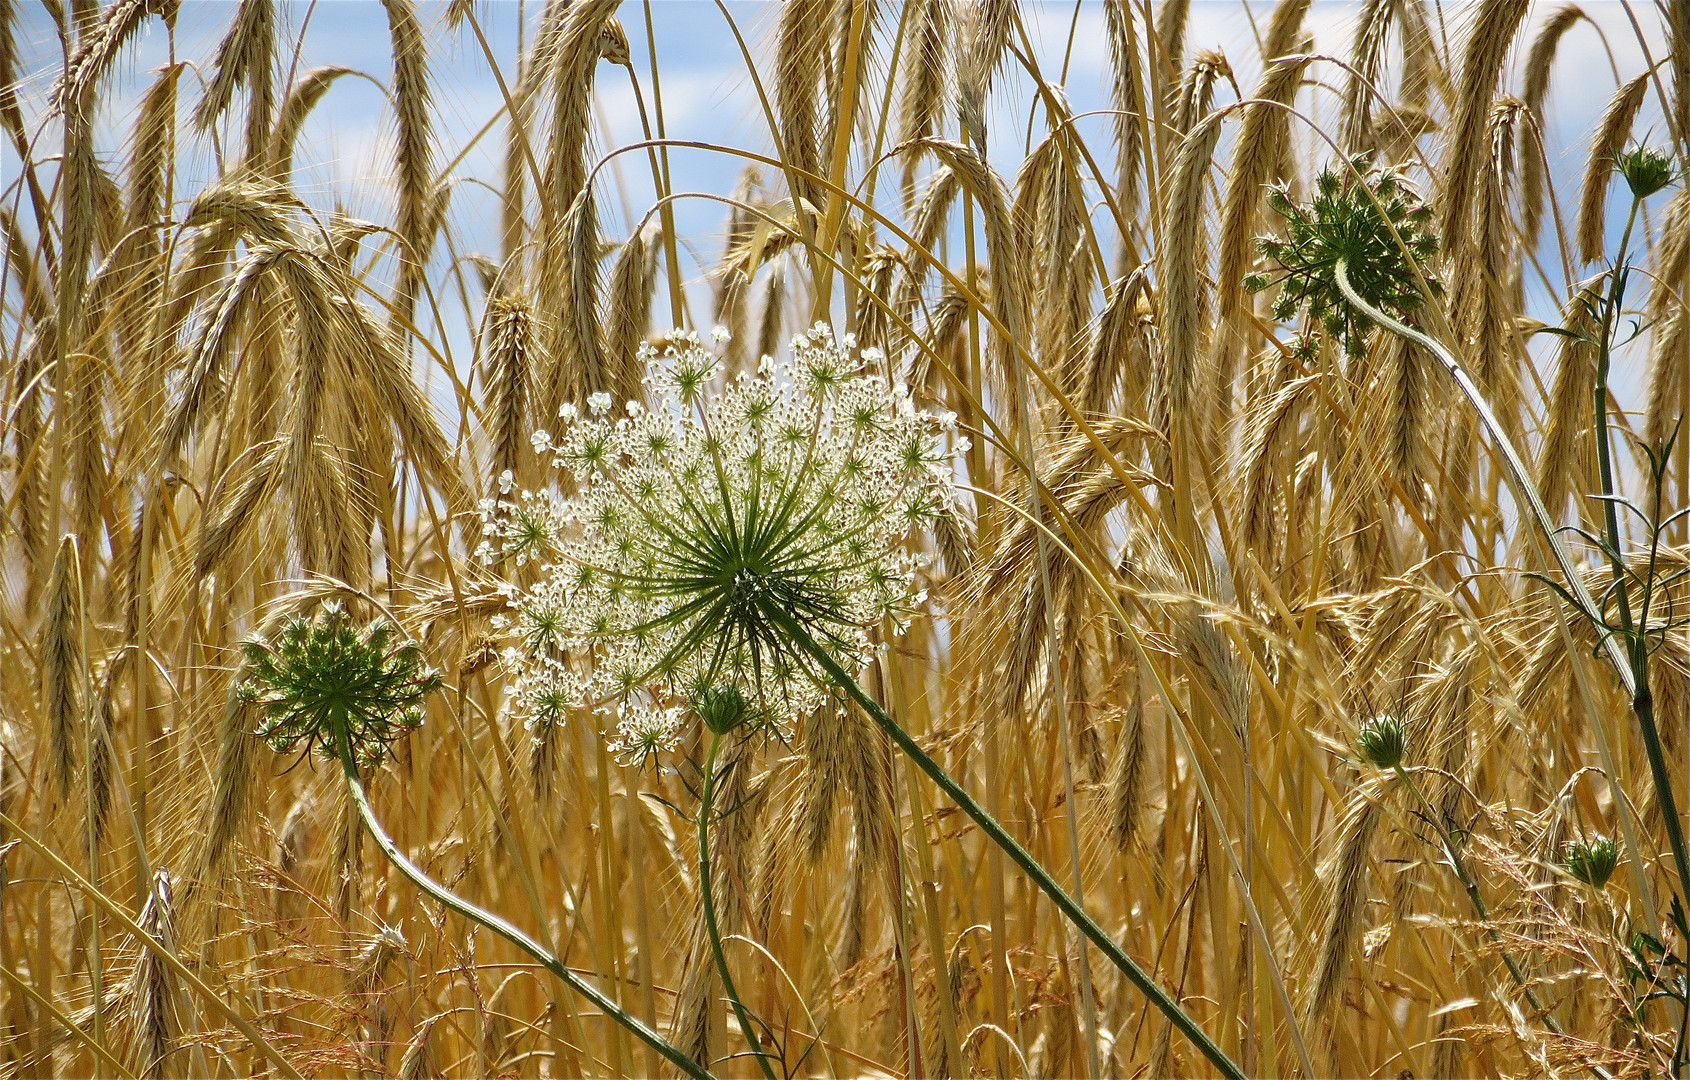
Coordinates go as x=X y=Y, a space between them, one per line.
x=1324 y=639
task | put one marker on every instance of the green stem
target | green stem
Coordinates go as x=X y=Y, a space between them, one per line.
x=1017 y=854
x=1515 y=465
x=1633 y=674
x=1604 y=452
x=499 y=926
x=1642 y=698
x=706 y=802
x=1471 y=885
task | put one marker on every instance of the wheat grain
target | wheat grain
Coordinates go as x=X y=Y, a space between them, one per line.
x=931 y=31
x=507 y=336
x=61 y=666
x=1127 y=98
x=414 y=153
x=1487 y=47
x=1605 y=146
x=986 y=29
x=153 y=992
x=1534 y=91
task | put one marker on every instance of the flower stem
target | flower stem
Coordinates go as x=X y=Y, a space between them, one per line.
x=1633 y=670
x=1017 y=854
x=1515 y=466
x=1637 y=627
x=1471 y=886
x=706 y=802
x=499 y=926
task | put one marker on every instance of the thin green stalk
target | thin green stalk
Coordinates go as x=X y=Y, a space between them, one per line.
x=1632 y=671
x=706 y=802
x=1471 y=886
x=1642 y=698
x=1604 y=452
x=1018 y=854
x=499 y=926
x=1515 y=465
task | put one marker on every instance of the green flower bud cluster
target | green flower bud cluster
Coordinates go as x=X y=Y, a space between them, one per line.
x=322 y=679
x=1591 y=861
x=1382 y=741
x=1353 y=223
x=1646 y=170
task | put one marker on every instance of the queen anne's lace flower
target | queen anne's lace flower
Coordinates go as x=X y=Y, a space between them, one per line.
x=793 y=490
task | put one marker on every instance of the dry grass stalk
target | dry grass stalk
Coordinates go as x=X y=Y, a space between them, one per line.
x=1367 y=60
x=1261 y=149
x=1197 y=90
x=800 y=57
x=629 y=317
x=1567 y=462
x=1345 y=899
x=507 y=343
x=1668 y=385
x=1127 y=97
x=987 y=27
x=1487 y=47
x=932 y=40
x=1185 y=295
x=154 y=1001
x=414 y=152
x=245 y=58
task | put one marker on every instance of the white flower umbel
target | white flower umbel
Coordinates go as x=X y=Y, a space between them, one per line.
x=795 y=489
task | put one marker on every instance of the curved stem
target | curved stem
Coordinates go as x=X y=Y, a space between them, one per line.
x=1632 y=671
x=1471 y=886
x=1518 y=475
x=706 y=802
x=1017 y=854
x=499 y=926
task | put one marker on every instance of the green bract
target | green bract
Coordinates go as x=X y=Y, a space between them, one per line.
x=1592 y=862
x=1646 y=170
x=796 y=490
x=322 y=678
x=1343 y=224
x=1382 y=741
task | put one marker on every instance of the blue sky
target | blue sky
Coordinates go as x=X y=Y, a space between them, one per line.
x=707 y=95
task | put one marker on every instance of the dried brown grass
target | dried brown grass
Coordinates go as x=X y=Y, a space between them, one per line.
x=228 y=391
